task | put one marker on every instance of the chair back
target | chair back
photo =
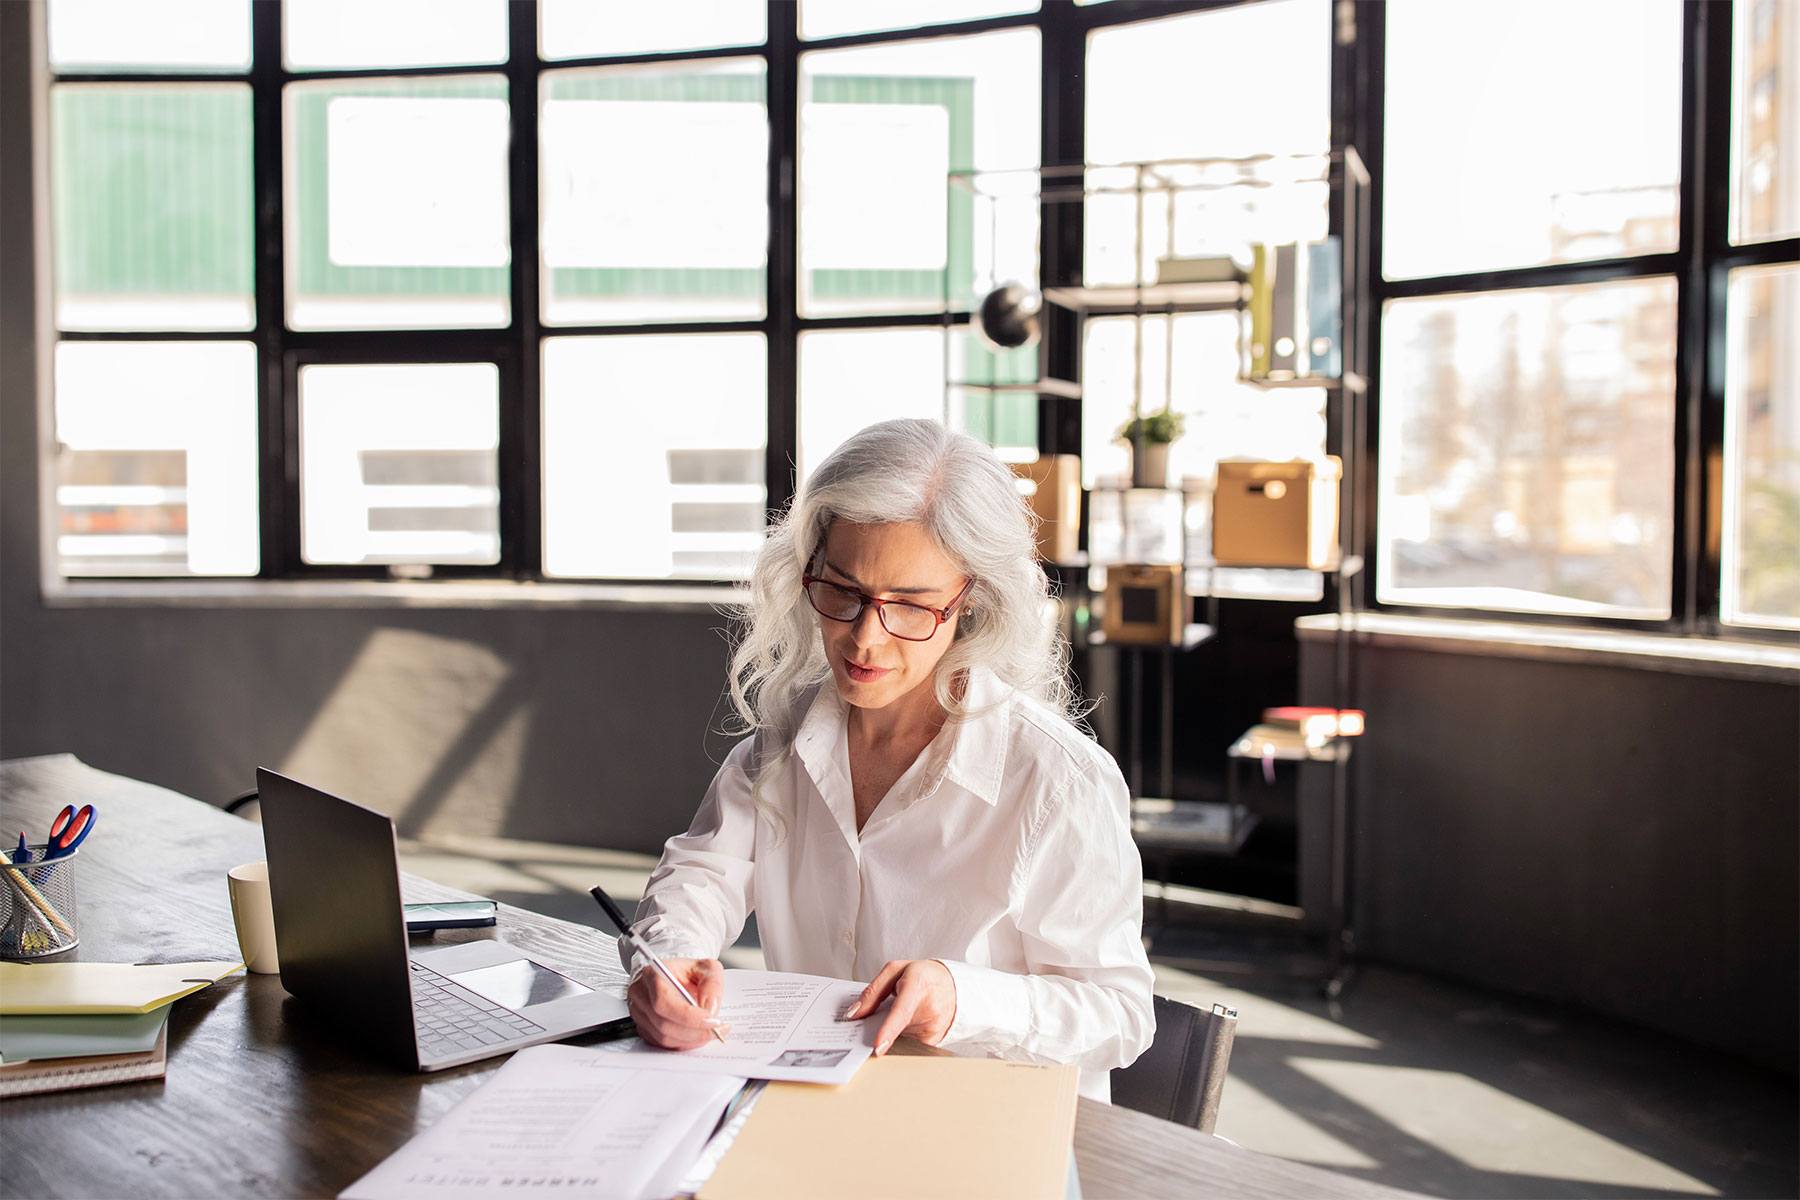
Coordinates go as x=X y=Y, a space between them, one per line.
x=1181 y=1076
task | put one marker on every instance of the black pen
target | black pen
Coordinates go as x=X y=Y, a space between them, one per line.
x=637 y=943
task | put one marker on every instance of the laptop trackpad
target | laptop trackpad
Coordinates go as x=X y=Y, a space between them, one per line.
x=519 y=984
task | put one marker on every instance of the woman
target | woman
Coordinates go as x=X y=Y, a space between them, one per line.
x=916 y=806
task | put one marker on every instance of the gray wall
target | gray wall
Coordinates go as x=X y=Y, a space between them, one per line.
x=1615 y=837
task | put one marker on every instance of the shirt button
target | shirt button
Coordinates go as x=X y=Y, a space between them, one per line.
x=849 y=938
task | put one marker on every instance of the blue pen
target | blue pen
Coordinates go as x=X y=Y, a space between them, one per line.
x=23 y=853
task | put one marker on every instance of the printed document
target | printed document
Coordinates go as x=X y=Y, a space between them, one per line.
x=563 y=1120
x=783 y=1026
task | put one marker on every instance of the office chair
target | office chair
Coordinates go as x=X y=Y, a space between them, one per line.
x=1179 y=1078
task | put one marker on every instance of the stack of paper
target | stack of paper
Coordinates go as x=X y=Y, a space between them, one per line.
x=783 y=1026
x=560 y=1120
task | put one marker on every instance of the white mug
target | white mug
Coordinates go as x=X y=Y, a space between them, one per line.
x=254 y=916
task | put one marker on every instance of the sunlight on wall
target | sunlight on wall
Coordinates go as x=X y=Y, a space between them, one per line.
x=409 y=706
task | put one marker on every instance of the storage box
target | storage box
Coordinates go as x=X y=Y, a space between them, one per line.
x=1146 y=604
x=1052 y=486
x=1277 y=514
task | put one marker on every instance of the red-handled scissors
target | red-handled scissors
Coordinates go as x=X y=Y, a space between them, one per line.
x=68 y=831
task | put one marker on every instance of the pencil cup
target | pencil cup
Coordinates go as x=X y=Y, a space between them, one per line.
x=254 y=916
x=37 y=907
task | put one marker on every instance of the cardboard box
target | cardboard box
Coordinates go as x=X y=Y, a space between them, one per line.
x=1052 y=486
x=1146 y=604
x=1277 y=514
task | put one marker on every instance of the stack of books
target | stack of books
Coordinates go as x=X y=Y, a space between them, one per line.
x=60 y=1052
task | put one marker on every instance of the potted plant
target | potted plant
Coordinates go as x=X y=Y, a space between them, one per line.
x=1149 y=438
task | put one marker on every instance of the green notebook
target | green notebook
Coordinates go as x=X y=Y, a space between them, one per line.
x=85 y=1035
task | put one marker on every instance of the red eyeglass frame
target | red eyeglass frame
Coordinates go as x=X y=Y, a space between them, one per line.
x=942 y=614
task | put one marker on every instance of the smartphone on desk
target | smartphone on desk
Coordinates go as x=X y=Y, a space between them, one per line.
x=449 y=914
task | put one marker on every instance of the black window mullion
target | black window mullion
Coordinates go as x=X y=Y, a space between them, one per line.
x=277 y=481
x=1700 y=312
x=781 y=451
x=1063 y=126
x=521 y=399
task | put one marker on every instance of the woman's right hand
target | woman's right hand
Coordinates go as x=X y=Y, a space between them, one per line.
x=663 y=1018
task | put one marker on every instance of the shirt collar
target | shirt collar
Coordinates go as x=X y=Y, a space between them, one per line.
x=978 y=759
x=974 y=759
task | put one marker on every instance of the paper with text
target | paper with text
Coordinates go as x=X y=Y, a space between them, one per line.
x=563 y=1120
x=783 y=1026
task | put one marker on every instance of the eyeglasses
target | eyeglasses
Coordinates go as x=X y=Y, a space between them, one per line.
x=901 y=618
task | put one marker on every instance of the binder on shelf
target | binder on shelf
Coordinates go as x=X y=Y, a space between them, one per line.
x=1324 y=309
x=1284 y=326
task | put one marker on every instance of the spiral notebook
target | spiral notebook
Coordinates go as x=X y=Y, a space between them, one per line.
x=66 y=1074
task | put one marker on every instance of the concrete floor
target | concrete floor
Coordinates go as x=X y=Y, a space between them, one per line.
x=1406 y=1080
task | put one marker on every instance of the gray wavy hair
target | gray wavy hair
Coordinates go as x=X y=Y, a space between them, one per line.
x=968 y=501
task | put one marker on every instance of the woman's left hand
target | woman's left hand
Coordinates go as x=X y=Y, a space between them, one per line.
x=924 y=1001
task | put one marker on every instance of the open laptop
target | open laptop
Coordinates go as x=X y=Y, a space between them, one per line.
x=340 y=932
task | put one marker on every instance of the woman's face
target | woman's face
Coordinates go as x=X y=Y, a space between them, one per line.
x=873 y=668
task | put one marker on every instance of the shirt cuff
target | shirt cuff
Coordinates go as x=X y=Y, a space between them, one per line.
x=992 y=1007
x=635 y=962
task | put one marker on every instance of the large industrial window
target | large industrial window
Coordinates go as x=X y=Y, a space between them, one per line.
x=1561 y=265
x=520 y=290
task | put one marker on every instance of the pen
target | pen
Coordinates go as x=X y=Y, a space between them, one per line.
x=618 y=918
x=23 y=853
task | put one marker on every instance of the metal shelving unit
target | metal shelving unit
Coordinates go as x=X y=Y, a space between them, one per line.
x=1163 y=823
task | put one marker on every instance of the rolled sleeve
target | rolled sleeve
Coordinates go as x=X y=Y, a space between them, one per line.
x=701 y=892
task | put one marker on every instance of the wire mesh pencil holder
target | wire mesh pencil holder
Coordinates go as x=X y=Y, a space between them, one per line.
x=37 y=907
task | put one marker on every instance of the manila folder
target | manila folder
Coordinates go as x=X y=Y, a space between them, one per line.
x=908 y=1126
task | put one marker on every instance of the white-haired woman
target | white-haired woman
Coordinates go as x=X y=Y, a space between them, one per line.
x=915 y=806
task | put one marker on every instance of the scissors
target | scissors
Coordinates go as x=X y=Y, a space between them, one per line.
x=68 y=831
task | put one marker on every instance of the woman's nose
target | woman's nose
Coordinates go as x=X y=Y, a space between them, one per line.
x=867 y=629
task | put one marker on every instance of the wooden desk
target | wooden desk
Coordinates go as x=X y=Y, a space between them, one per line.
x=263 y=1101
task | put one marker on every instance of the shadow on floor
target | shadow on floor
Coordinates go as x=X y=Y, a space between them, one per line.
x=1404 y=1080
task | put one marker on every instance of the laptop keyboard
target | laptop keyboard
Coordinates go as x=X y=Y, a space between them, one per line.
x=451 y=1019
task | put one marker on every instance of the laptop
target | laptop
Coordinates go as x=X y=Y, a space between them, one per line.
x=340 y=932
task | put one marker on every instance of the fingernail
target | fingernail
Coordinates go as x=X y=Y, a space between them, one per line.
x=883 y=1048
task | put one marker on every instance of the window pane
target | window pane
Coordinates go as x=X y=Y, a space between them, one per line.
x=653 y=455
x=1510 y=148
x=1765 y=111
x=1147 y=103
x=880 y=129
x=149 y=35
x=834 y=18
x=582 y=28
x=1762 y=449
x=1223 y=419
x=1527 y=450
x=399 y=463
x=156 y=458
x=655 y=193
x=852 y=378
x=394 y=33
x=151 y=195
x=397 y=203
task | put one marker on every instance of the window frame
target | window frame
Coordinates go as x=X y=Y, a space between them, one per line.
x=517 y=347
x=1700 y=266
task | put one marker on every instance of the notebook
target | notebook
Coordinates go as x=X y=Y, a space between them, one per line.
x=66 y=1074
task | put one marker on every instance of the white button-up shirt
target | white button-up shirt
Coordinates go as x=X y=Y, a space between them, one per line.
x=1004 y=851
